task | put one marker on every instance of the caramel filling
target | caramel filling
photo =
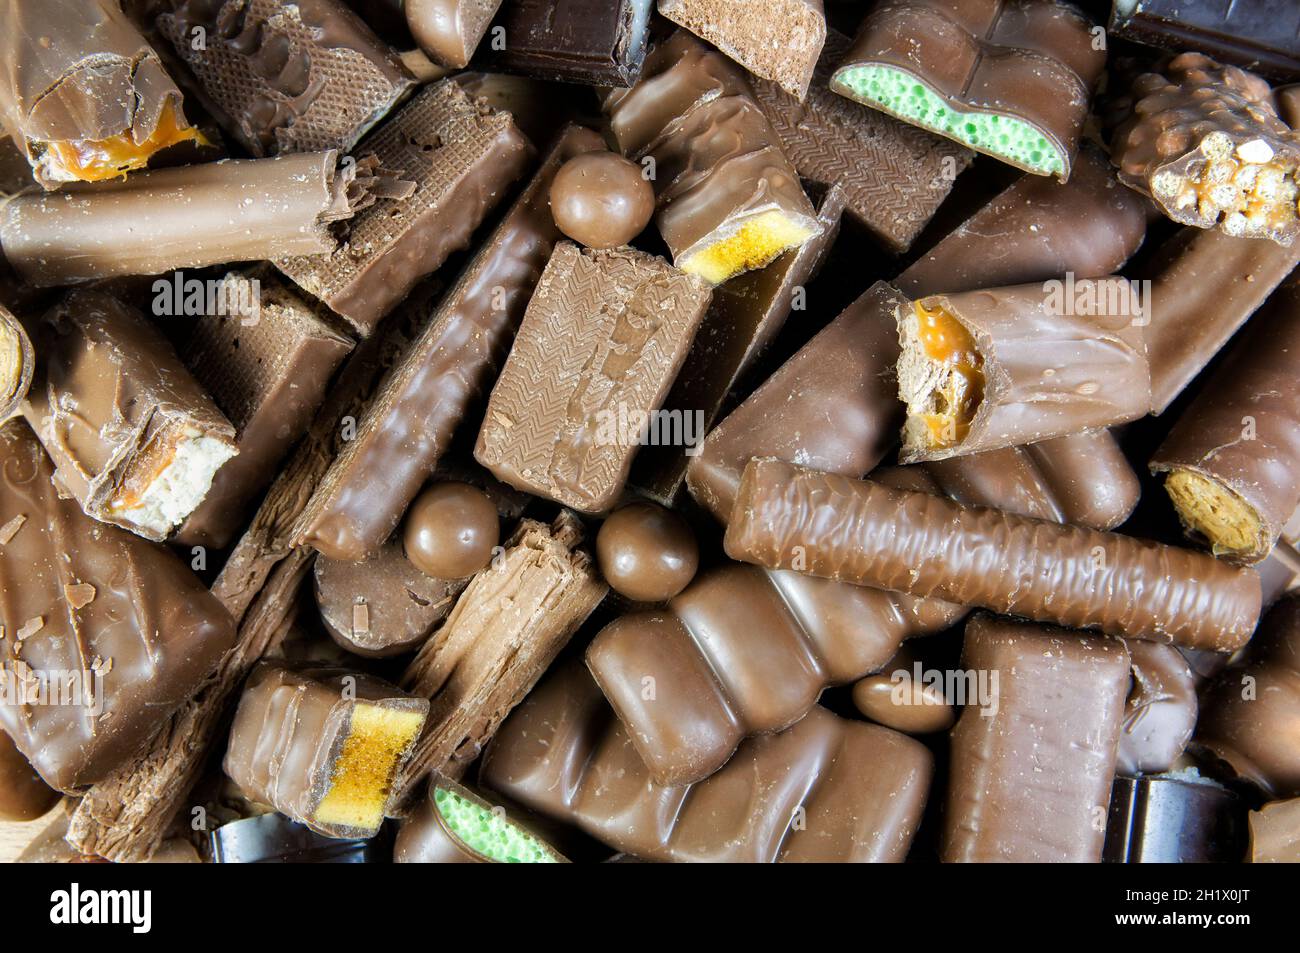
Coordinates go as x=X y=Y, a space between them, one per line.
x=1228 y=522
x=93 y=160
x=363 y=775
x=958 y=392
x=1247 y=185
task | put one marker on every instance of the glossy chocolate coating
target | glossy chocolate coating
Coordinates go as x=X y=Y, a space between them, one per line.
x=1160 y=711
x=592 y=42
x=896 y=699
x=1174 y=820
x=274 y=839
x=451 y=530
x=449 y=30
x=23 y=795
x=601 y=200
x=646 y=552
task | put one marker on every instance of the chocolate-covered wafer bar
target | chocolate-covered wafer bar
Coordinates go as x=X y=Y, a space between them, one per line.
x=1232 y=462
x=447 y=369
x=1010 y=78
x=729 y=199
x=1033 y=762
x=825 y=790
x=789 y=517
x=134 y=437
x=461 y=158
x=1182 y=818
x=601 y=342
x=981 y=370
x=17 y=362
x=280 y=78
x=1160 y=711
x=593 y=42
x=322 y=747
x=105 y=634
x=453 y=825
x=81 y=91
x=1205 y=142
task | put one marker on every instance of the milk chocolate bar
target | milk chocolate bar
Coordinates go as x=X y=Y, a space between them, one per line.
x=274 y=839
x=1205 y=142
x=729 y=199
x=1009 y=78
x=461 y=158
x=592 y=42
x=197 y=215
x=780 y=42
x=1088 y=476
x=81 y=91
x=1232 y=461
x=601 y=342
x=1259 y=36
x=454 y=825
x=789 y=517
x=266 y=358
x=407 y=427
x=17 y=362
x=449 y=30
x=1160 y=711
x=1275 y=833
x=987 y=369
x=322 y=747
x=1033 y=762
x=825 y=790
x=134 y=437
x=1174 y=819
x=23 y=795
x=105 y=634
x=280 y=78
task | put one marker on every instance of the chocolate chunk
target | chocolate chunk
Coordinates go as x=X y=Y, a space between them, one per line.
x=1174 y=820
x=593 y=42
x=451 y=530
x=274 y=839
x=646 y=552
x=453 y=825
x=23 y=795
x=1275 y=833
x=449 y=30
x=601 y=200
x=1160 y=711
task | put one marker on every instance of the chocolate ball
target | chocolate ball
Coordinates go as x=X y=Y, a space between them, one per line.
x=646 y=552
x=601 y=200
x=451 y=529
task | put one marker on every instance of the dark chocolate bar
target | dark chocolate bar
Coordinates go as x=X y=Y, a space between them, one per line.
x=274 y=839
x=1260 y=35
x=1160 y=711
x=453 y=825
x=593 y=42
x=1174 y=819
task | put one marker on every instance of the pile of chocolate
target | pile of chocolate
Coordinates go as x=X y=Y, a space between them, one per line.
x=574 y=430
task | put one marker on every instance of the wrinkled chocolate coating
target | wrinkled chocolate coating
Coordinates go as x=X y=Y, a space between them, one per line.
x=451 y=531
x=601 y=200
x=646 y=552
x=1160 y=711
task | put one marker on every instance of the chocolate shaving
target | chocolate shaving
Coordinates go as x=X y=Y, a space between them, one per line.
x=79 y=595
x=11 y=528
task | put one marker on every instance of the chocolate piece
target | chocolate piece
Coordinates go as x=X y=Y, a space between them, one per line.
x=266 y=358
x=197 y=215
x=1205 y=142
x=602 y=340
x=1035 y=230
x=894 y=175
x=507 y=627
x=1255 y=35
x=901 y=699
x=779 y=41
x=981 y=370
x=601 y=200
x=856 y=531
x=1009 y=78
x=1280 y=572
x=461 y=158
x=729 y=199
x=826 y=790
x=451 y=530
x=23 y=795
x=1286 y=99
x=449 y=30
x=1250 y=714
x=280 y=78
x=274 y=839
x=1232 y=461
x=406 y=429
x=82 y=92
x=1275 y=833
x=593 y=42
x=1174 y=820
x=17 y=363
x=453 y=825
x=1032 y=763
x=322 y=747
x=382 y=606
x=646 y=552
x=1160 y=711
x=116 y=628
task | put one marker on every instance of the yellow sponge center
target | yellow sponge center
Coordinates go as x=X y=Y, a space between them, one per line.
x=363 y=775
x=1216 y=512
x=754 y=245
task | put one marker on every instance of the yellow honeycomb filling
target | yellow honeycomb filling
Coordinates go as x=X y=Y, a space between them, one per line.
x=758 y=241
x=1208 y=507
x=363 y=774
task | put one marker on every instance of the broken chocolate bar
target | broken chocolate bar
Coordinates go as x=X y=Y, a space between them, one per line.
x=449 y=30
x=593 y=42
x=453 y=825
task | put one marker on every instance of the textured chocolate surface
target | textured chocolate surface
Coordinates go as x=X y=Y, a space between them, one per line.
x=429 y=836
x=449 y=30
x=1160 y=711
x=1259 y=36
x=593 y=42
x=1174 y=820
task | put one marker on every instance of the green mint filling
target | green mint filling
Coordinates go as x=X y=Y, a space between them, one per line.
x=1004 y=136
x=489 y=833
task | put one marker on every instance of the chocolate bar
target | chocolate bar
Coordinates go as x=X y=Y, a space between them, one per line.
x=1275 y=833
x=894 y=176
x=23 y=795
x=1232 y=461
x=1009 y=78
x=274 y=839
x=405 y=431
x=1280 y=572
x=600 y=344
x=1160 y=711
x=453 y=825
x=281 y=78
x=593 y=42
x=825 y=790
x=729 y=199
x=981 y=370
x=1174 y=819
x=112 y=632
x=647 y=553
x=789 y=517
x=322 y=747
x=17 y=362
x=460 y=158
x=1250 y=712
x=197 y=215
x=266 y=358
x=896 y=699
x=1088 y=475
x=1205 y=142
x=1264 y=37
x=449 y=30
x=82 y=93
x=133 y=436
x=780 y=43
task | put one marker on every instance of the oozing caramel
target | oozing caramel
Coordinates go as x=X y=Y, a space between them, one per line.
x=947 y=341
x=94 y=160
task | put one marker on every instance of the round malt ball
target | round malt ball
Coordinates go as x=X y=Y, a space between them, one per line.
x=646 y=552
x=451 y=530
x=601 y=200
